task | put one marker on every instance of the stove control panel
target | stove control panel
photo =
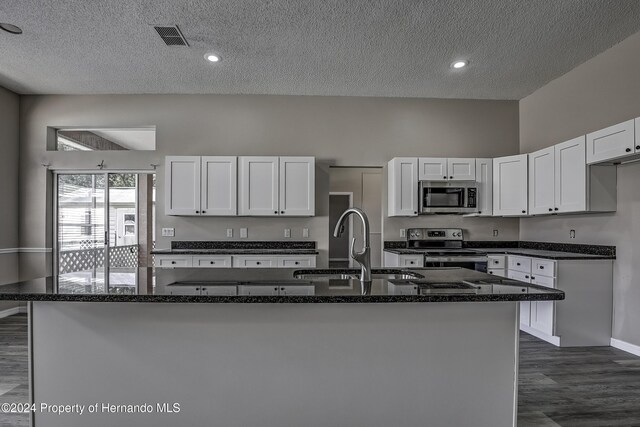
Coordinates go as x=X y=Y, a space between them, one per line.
x=435 y=234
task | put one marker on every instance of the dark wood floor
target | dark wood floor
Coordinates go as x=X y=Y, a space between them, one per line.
x=581 y=387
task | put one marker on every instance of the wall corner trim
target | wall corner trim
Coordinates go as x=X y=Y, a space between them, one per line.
x=625 y=346
x=25 y=250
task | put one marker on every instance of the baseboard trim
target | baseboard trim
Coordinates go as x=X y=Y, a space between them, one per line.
x=9 y=312
x=625 y=346
x=23 y=309
x=552 y=339
x=25 y=250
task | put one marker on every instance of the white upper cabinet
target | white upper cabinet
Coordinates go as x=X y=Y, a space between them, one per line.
x=182 y=185
x=612 y=143
x=484 y=180
x=198 y=185
x=271 y=186
x=402 y=191
x=259 y=183
x=461 y=169
x=297 y=184
x=571 y=176
x=443 y=169
x=219 y=186
x=510 y=186
x=432 y=169
x=542 y=181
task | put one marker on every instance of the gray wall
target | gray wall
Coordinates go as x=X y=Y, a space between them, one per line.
x=596 y=94
x=9 y=109
x=337 y=130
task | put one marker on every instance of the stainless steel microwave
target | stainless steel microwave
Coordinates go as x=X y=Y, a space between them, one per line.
x=448 y=197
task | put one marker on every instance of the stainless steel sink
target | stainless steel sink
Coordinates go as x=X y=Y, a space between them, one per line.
x=388 y=275
x=325 y=276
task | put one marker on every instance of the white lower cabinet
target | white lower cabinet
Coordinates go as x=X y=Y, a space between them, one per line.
x=403 y=260
x=583 y=318
x=235 y=261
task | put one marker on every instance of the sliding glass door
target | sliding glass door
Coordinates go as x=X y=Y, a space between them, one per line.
x=98 y=230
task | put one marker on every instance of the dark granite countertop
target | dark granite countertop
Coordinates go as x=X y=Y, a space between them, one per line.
x=135 y=285
x=239 y=248
x=548 y=250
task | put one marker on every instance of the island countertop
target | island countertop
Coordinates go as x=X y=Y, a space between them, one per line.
x=282 y=286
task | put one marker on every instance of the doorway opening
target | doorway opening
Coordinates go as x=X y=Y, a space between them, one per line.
x=363 y=187
x=104 y=230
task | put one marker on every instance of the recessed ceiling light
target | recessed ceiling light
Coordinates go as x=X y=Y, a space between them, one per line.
x=459 y=64
x=212 y=57
x=10 y=28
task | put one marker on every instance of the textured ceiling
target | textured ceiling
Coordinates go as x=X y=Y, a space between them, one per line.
x=306 y=47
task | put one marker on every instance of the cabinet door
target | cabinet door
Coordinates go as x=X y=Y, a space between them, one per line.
x=510 y=186
x=571 y=176
x=297 y=186
x=611 y=143
x=461 y=169
x=182 y=185
x=219 y=186
x=484 y=180
x=432 y=169
x=542 y=316
x=258 y=186
x=402 y=189
x=525 y=313
x=542 y=181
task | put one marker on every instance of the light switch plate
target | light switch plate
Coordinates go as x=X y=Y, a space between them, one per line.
x=305 y=232
x=403 y=232
x=229 y=232
x=287 y=232
x=244 y=233
x=495 y=233
x=168 y=232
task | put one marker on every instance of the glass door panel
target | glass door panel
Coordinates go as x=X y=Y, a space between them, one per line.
x=81 y=231
x=123 y=232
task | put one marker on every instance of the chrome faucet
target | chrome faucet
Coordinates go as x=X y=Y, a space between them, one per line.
x=363 y=258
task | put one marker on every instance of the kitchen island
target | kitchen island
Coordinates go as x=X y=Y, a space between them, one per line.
x=402 y=351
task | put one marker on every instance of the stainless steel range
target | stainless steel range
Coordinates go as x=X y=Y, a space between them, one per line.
x=443 y=247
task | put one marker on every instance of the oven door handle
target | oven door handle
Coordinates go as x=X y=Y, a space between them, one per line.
x=455 y=259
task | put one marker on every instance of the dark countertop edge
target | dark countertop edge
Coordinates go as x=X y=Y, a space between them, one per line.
x=248 y=244
x=235 y=252
x=372 y=299
x=514 y=251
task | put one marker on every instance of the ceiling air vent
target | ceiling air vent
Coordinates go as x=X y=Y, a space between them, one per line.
x=171 y=35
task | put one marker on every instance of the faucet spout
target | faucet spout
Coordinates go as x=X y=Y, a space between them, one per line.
x=363 y=257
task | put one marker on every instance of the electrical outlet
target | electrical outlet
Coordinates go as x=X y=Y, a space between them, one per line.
x=287 y=232
x=403 y=232
x=305 y=232
x=229 y=232
x=572 y=234
x=495 y=233
x=244 y=233
x=168 y=232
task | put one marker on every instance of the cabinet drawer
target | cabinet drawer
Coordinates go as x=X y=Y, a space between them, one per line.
x=297 y=261
x=212 y=261
x=501 y=272
x=547 y=282
x=519 y=263
x=543 y=267
x=297 y=290
x=517 y=275
x=411 y=261
x=255 y=262
x=183 y=290
x=222 y=290
x=173 y=261
x=257 y=290
x=496 y=262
